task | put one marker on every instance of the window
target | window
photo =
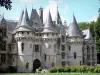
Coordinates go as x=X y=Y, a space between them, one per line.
x=45 y=56
x=63 y=48
x=74 y=55
x=27 y=32
x=22 y=32
x=92 y=49
x=3 y=58
x=3 y=46
x=88 y=56
x=63 y=39
x=63 y=63
x=63 y=55
x=88 y=49
x=69 y=48
x=36 y=48
x=22 y=45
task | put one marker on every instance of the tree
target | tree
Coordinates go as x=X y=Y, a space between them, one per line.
x=6 y=4
x=83 y=25
x=97 y=31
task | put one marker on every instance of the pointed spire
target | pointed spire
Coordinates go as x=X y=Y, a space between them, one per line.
x=20 y=19
x=2 y=19
x=35 y=19
x=74 y=29
x=25 y=19
x=49 y=20
x=57 y=18
x=48 y=27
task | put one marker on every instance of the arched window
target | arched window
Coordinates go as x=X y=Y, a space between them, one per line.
x=88 y=49
x=92 y=49
x=22 y=45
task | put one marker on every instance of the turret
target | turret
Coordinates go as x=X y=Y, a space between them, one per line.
x=3 y=26
x=35 y=19
x=20 y=19
x=74 y=30
x=57 y=18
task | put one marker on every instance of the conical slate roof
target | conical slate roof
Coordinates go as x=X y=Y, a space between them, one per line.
x=57 y=18
x=48 y=27
x=74 y=30
x=24 y=22
x=25 y=19
x=20 y=19
x=2 y=19
x=87 y=34
x=36 y=22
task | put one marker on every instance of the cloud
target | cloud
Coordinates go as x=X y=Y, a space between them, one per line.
x=94 y=18
x=25 y=1
x=52 y=6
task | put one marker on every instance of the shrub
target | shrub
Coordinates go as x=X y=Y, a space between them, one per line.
x=91 y=69
x=61 y=69
x=73 y=69
x=53 y=70
x=40 y=69
x=84 y=68
x=67 y=69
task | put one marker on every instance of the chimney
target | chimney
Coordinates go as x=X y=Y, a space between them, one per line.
x=41 y=13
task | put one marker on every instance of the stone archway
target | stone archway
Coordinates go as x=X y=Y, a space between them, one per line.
x=36 y=64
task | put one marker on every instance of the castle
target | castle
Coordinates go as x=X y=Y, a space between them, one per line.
x=30 y=43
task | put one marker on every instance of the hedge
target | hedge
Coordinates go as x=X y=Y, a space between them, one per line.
x=83 y=69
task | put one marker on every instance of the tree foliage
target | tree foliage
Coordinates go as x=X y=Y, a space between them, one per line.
x=6 y=4
x=94 y=28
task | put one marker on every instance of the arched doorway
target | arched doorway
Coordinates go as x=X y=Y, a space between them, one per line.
x=36 y=64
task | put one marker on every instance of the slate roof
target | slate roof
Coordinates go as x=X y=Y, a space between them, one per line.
x=74 y=30
x=2 y=19
x=87 y=33
x=57 y=18
x=49 y=27
x=35 y=19
x=24 y=22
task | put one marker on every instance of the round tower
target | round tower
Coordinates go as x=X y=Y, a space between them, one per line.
x=24 y=35
x=50 y=39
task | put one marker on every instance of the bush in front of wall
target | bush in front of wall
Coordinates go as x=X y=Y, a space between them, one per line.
x=67 y=69
x=40 y=69
x=91 y=69
x=60 y=69
x=53 y=70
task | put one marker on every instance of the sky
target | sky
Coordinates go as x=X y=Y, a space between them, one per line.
x=84 y=10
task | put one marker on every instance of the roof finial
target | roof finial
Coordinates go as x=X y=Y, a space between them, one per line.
x=25 y=7
x=57 y=6
x=32 y=6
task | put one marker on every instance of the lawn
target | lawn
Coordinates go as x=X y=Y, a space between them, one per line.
x=49 y=73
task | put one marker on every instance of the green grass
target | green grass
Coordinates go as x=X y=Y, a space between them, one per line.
x=50 y=74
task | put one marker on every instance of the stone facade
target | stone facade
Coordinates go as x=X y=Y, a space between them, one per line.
x=31 y=43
